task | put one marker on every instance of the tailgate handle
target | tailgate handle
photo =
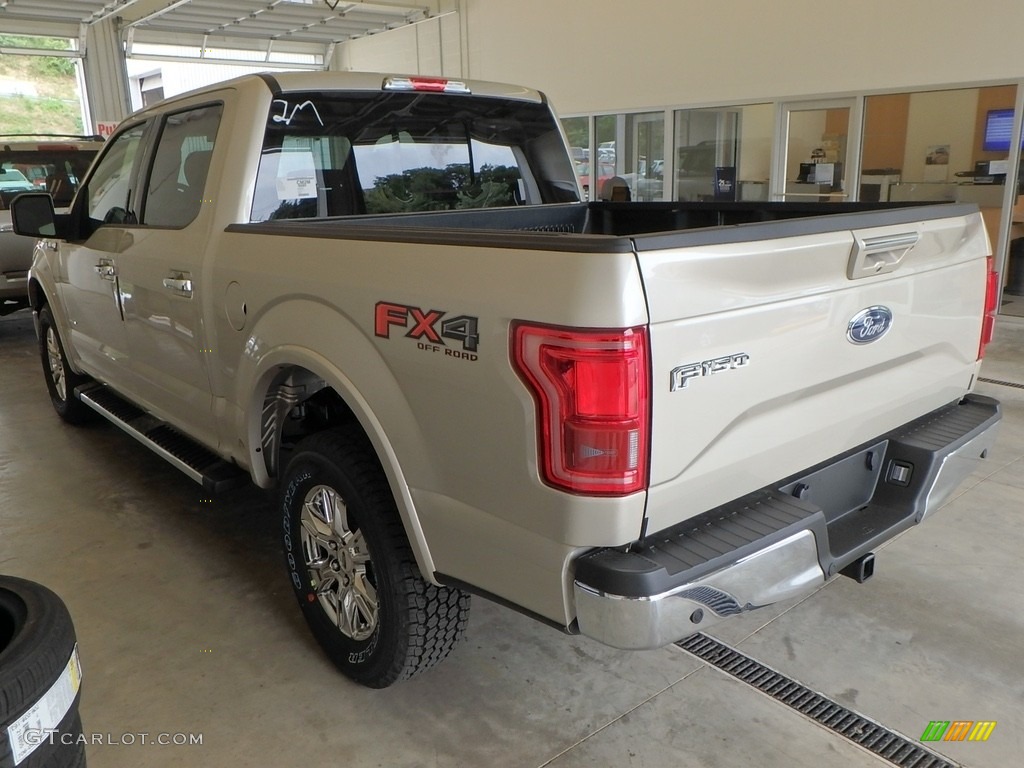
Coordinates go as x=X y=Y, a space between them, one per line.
x=879 y=254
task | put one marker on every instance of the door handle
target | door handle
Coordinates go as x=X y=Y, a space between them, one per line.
x=179 y=283
x=106 y=269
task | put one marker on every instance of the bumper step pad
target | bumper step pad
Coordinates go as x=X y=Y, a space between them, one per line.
x=701 y=546
x=906 y=484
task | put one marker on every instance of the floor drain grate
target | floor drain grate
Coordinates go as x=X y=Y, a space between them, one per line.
x=1002 y=383
x=882 y=741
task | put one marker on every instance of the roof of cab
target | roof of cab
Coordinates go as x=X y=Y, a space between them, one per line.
x=284 y=82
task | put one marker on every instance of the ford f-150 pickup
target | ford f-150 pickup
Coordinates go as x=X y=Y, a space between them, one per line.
x=384 y=297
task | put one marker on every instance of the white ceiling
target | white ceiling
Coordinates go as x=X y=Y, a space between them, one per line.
x=313 y=25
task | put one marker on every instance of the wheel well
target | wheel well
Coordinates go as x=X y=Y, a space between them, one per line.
x=36 y=295
x=298 y=403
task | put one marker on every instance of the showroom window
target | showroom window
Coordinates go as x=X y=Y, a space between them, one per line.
x=720 y=153
x=630 y=160
x=937 y=145
x=609 y=133
x=723 y=153
x=816 y=151
x=645 y=155
x=954 y=146
x=943 y=145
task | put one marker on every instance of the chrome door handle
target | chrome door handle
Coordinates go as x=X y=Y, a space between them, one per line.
x=106 y=269
x=179 y=283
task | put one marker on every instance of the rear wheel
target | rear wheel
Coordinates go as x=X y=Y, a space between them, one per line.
x=353 y=570
x=61 y=381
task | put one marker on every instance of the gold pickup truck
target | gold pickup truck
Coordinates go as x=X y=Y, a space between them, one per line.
x=385 y=297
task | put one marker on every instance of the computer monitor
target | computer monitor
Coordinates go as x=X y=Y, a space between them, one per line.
x=998 y=129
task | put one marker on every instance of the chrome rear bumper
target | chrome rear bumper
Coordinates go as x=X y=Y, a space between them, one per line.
x=781 y=542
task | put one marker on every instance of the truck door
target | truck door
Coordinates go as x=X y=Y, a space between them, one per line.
x=89 y=281
x=160 y=273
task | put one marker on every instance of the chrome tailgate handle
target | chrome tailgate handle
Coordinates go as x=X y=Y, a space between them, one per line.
x=879 y=254
x=179 y=283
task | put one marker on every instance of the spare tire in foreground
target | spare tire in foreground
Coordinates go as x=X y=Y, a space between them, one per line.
x=40 y=679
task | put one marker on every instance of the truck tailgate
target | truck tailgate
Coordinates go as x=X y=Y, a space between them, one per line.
x=757 y=374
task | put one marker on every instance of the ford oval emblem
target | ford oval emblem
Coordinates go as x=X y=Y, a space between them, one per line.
x=869 y=325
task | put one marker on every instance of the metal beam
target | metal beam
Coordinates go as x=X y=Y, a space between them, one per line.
x=6 y=51
x=29 y=25
x=146 y=10
x=115 y=8
x=424 y=9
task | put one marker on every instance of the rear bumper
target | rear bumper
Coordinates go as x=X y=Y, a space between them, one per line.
x=783 y=541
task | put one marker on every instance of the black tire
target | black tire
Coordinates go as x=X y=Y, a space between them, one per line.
x=394 y=624
x=37 y=639
x=61 y=381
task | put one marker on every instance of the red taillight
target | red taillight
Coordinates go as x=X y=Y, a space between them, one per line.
x=988 y=322
x=593 y=405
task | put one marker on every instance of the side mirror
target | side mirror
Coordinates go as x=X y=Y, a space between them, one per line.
x=32 y=215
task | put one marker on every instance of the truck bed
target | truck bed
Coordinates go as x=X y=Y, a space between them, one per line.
x=610 y=227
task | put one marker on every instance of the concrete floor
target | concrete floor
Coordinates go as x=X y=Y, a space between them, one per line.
x=186 y=625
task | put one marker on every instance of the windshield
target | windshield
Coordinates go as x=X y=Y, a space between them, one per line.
x=337 y=154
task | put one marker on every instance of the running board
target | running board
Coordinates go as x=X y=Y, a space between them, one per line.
x=199 y=463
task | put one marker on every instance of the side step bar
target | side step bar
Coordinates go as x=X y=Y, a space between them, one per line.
x=199 y=463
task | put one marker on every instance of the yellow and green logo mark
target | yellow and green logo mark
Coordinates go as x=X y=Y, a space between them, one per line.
x=958 y=730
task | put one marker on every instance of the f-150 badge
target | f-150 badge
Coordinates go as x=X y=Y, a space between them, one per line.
x=681 y=375
x=869 y=325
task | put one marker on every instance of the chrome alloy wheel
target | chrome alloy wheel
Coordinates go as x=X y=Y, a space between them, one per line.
x=56 y=361
x=338 y=562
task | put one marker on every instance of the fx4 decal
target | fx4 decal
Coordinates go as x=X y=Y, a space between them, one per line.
x=428 y=326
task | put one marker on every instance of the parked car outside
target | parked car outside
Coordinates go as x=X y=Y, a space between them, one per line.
x=46 y=163
x=13 y=180
x=605 y=171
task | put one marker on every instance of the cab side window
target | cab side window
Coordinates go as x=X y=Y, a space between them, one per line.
x=109 y=195
x=175 y=189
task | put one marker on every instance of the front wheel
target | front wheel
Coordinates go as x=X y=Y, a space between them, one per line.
x=61 y=381
x=352 y=568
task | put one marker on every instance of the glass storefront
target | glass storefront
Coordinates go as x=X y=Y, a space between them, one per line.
x=816 y=161
x=722 y=154
x=951 y=145
x=939 y=145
